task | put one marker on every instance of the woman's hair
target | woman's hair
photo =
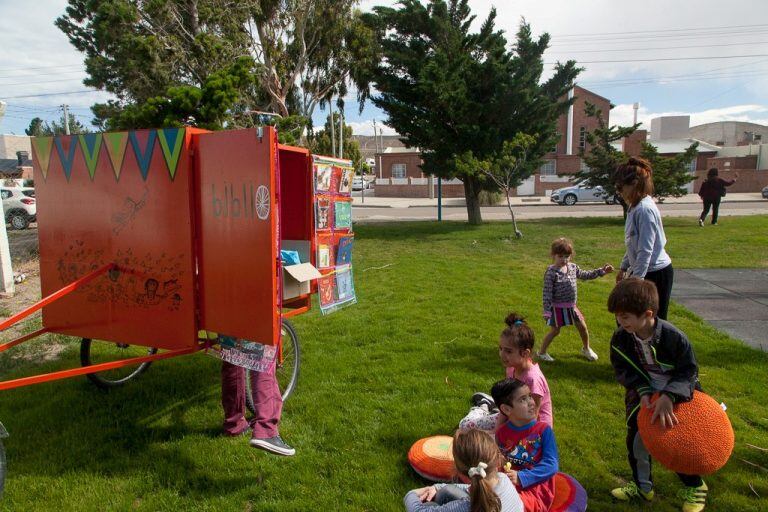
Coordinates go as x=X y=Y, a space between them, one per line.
x=562 y=247
x=470 y=448
x=637 y=173
x=712 y=173
x=518 y=332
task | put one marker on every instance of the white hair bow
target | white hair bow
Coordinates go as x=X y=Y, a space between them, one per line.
x=479 y=470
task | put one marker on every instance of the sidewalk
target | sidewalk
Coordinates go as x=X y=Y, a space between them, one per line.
x=415 y=202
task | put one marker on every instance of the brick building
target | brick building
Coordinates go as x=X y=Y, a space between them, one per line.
x=400 y=172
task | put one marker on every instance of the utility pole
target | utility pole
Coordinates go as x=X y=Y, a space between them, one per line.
x=333 y=131
x=7 y=286
x=66 y=118
x=341 y=132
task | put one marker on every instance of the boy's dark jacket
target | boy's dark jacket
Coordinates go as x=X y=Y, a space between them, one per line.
x=671 y=350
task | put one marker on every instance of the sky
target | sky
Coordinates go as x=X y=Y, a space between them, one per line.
x=703 y=58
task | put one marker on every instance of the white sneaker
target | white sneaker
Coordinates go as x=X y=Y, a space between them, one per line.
x=546 y=357
x=701 y=223
x=589 y=354
x=274 y=445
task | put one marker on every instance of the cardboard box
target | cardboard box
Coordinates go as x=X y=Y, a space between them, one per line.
x=297 y=278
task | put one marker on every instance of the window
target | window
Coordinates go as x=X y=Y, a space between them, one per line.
x=757 y=137
x=582 y=137
x=692 y=166
x=398 y=170
x=549 y=168
x=584 y=167
x=6 y=194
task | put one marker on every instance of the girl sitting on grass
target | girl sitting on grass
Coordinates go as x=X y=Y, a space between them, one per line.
x=484 y=488
x=515 y=350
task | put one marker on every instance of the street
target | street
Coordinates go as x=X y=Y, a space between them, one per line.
x=545 y=210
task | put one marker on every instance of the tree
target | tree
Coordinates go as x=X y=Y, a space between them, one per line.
x=601 y=158
x=507 y=169
x=670 y=173
x=320 y=143
x=160 y=51
x=40 y=128
x=451 y=92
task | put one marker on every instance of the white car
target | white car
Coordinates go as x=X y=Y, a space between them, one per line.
x=20 y=206
x=580 y=193
x=358 y=183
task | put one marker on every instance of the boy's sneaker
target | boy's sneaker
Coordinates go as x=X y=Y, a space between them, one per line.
x=545 y=357
x=694 y=498
x=701 y=223
x=630 y=492
x=273 y=445
x=589 y=354
x=480 y=399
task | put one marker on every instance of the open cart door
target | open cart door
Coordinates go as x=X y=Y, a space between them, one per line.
x=238 y=234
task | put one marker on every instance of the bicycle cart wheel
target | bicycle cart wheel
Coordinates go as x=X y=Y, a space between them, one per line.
x=287 y=370
x=104 y=351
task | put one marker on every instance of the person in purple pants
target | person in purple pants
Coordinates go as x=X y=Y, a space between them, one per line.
x=268 y=404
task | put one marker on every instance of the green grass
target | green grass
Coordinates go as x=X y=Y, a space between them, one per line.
x=398 y=366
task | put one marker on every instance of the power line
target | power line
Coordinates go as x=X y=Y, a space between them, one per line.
x=45 y=74
x=665 y=59
x=47 y=94
x=43 y=67
x=45 y=82
x=671 y=37
x=665 y=30
x=659 y=48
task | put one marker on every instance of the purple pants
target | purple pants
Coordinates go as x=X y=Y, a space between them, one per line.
x=266 y=397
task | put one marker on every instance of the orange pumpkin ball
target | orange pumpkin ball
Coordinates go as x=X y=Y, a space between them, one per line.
x=699 y=444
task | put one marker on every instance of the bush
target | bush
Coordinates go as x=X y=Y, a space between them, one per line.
x=490 y=198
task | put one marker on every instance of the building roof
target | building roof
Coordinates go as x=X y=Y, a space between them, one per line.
x=390 y=150
x=665 y=146
x=10 y=166
x=577 y=86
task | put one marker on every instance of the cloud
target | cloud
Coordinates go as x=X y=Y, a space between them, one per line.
x=754 y=113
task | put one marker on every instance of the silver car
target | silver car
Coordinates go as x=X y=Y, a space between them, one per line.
x=580 y=194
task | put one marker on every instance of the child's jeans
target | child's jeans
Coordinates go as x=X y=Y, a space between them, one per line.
x=640 y=461
x=267 y=400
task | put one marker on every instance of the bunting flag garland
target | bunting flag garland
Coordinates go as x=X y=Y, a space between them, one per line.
x=42 y=149
x=171 y=142
x=66 y=147
x=116 y=144
x=143 y=156
x=90 y=144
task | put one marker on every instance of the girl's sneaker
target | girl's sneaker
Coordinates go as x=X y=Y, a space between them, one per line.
x=630 y=492
x=545 y=357
x=694 y=498
x=589 y=354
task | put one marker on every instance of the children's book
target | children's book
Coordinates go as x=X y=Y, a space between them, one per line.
x=344 y=250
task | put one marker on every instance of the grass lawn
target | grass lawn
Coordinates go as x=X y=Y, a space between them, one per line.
x=377 y=376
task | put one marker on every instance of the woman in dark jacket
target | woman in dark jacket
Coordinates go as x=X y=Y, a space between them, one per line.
x=711 y=192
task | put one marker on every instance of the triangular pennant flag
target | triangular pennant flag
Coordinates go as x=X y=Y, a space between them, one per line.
x=90 y=144
x=116 y=144
x=42 y=151
x=171 y=141
x=143 y=157
x=66 y=147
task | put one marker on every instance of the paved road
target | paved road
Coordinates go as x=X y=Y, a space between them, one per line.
x=734 y=300
x=541 y=211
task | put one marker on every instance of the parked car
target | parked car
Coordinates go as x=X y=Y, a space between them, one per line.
x=358 y=182
x=765 y=193
x=20 y=206
x=581 y=193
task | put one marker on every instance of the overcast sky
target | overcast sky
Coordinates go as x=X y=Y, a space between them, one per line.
x=722 y=73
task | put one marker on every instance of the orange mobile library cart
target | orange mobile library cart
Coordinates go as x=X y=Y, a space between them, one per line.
x=165 y=242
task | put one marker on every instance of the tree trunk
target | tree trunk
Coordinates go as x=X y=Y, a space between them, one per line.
x=472 y=197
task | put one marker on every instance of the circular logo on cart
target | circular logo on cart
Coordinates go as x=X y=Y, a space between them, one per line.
x=262 y=202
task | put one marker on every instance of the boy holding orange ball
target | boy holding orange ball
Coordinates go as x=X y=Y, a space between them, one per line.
x=650 y=355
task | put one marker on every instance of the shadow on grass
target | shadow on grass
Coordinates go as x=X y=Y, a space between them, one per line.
x=72 y=427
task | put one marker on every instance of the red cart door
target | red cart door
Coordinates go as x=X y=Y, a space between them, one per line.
x=238 y=233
